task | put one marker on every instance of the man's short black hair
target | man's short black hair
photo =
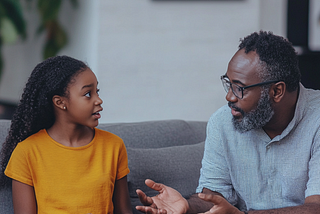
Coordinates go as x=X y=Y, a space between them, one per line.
x=278 y=58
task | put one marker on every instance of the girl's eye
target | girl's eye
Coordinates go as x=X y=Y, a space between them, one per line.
x=88 y=94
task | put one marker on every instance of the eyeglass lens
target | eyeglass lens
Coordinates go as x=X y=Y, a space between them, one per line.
x=237 y=91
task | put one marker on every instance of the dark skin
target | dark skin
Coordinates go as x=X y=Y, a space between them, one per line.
x=73 y=127
x=242 y=70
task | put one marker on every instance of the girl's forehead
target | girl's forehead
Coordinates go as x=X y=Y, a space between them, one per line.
x=83 y=78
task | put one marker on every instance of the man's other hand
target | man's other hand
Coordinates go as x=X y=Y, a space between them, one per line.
x=221 y=205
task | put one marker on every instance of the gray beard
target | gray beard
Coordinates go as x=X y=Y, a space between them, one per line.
x=256 y=118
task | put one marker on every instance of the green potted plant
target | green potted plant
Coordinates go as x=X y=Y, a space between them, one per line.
x=13 y=25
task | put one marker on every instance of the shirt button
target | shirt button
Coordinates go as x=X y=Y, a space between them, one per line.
x=268 y=147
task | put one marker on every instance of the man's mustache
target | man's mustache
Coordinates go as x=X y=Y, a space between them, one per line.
x=232 y=105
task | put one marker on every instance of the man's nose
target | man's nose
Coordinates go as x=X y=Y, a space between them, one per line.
x=230 y=97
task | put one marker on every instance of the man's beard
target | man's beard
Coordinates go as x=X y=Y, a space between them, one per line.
x=256 y=118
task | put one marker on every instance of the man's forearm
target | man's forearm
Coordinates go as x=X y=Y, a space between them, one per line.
x=197 y=205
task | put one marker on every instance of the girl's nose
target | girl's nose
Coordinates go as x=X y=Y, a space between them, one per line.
x=99 y=101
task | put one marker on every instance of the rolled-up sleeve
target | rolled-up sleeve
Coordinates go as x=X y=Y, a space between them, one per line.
x=313 y=185
x=214 y=173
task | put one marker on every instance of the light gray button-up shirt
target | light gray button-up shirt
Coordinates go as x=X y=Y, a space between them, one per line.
x=254 y=172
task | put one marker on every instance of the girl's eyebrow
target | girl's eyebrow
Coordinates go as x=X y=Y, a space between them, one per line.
x=88 y=86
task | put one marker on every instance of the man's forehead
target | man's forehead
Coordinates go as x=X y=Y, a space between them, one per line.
x=243 y=66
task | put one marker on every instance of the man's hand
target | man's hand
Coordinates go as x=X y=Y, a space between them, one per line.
x=221 y=205
x=168 y=201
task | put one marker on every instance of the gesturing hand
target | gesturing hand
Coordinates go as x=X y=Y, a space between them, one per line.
x=168 y=201
x=221 y=205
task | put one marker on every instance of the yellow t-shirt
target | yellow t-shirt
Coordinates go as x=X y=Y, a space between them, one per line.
x=70 y=179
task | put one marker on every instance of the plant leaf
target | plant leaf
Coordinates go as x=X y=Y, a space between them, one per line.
x=74 y=3
x=8 y=31
x=13 y=11
x=1 y=59
x=49 y=9
x=56 y=39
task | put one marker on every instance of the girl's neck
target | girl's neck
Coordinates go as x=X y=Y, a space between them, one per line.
x=71 y=135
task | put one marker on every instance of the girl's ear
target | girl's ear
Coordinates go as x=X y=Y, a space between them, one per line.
x=277 y=91
x=58 y=102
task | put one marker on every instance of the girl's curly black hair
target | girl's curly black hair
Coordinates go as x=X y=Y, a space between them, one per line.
x=35 y=110
x=279 y=60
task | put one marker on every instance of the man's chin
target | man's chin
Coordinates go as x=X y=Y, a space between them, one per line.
x=237 y=118
x=238 y=126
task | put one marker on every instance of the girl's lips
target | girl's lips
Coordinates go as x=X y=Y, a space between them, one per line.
x=97 y=115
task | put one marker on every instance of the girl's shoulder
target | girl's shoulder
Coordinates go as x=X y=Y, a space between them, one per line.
x=103 y=133
x=35 y=138
x=32 y=142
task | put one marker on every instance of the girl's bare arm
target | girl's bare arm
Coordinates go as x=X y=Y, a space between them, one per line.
x=24 y=199
x=121 y=199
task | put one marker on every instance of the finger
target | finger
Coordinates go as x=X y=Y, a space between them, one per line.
x=145 y=200
x=215 y=199
x=162 y=211
x=148 y=210
x=153 y=185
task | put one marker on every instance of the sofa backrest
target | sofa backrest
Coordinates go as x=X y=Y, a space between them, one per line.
x=158 y=134
x=150 y=134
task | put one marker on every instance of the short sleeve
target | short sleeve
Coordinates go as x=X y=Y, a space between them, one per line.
x=18 y=166
x=313 y=185
x=214 y=173
x=123 y=168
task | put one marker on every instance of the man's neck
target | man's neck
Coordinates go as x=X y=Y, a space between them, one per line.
x=283 y=114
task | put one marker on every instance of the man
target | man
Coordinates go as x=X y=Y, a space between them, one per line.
x=264 y=156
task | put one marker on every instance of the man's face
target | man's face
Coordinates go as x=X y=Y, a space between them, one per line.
x=256 y=118
x=254 y=110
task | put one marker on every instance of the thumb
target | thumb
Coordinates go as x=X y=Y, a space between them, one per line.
x=153 y=185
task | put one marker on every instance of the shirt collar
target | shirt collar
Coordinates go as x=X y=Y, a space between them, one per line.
x=298 y=113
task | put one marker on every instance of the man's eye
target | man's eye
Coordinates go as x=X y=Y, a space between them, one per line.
x=88 y=94
x=98 y=90
x=239 y=89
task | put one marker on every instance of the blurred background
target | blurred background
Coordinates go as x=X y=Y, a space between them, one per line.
x=154 y=59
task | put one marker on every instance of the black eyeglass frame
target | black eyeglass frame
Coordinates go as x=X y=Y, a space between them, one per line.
x=224 y=77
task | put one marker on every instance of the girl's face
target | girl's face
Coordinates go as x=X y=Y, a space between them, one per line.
x=84 y=104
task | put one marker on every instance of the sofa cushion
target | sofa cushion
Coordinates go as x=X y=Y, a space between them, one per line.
x=6 y=205
x=176 y=166
x=4 y=130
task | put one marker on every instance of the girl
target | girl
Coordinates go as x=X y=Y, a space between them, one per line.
x=59 y=162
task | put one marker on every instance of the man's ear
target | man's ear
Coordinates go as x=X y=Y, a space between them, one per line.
x=58 y=102
x=277 y=91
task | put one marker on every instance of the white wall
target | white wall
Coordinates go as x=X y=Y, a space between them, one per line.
x=154 y=59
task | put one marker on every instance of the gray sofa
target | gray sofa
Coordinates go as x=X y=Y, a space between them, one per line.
x=168 y=151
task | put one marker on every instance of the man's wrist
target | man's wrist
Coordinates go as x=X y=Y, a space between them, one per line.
x=245 y=212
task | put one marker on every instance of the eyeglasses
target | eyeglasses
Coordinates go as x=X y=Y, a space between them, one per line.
x=238 y=90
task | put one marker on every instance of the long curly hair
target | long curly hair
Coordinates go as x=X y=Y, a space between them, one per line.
x=279 y=58
x=35 y=109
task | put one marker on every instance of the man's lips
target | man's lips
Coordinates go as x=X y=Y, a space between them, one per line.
x=235 y=111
